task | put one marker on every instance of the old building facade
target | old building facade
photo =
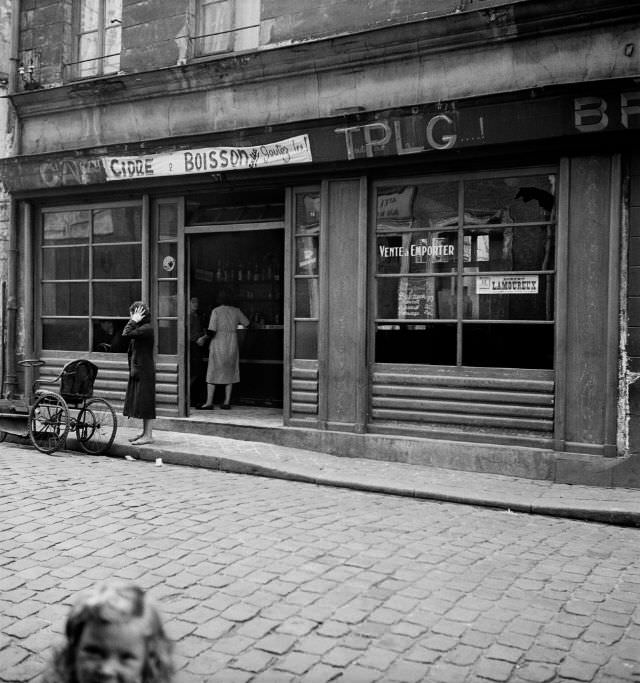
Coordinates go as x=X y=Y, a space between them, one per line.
x=427 y=211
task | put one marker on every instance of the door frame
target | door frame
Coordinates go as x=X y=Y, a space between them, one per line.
x=218 y=228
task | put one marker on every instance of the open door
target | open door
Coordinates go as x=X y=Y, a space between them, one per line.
x=248 y=262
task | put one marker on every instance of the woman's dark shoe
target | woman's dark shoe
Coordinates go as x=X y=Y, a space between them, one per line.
x=225 y=406
x=205 y=407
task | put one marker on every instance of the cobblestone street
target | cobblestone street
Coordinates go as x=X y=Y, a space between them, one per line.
x=267 y=580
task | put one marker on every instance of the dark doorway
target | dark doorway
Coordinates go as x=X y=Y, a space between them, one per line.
x=249 y=265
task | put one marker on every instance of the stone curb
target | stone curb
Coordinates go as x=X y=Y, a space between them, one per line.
x=600 y=514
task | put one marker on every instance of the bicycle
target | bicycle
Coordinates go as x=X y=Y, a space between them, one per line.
x=47 y=417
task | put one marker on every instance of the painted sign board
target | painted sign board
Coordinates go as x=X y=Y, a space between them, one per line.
x=209 y=159
x=507 y=284
x=410 y=131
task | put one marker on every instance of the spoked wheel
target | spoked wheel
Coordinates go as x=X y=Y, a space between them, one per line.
x=96 y=426
x=48 y=422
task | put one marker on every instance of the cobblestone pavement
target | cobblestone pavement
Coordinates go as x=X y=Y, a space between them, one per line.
x=269 y=580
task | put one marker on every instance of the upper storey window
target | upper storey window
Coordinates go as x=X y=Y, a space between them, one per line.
x=98 y=37
x=227 y=26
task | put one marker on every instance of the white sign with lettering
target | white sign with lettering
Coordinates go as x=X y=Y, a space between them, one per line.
x=209 y=160
x=507 y=284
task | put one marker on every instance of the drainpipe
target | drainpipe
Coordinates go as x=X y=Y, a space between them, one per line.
x=11 y=379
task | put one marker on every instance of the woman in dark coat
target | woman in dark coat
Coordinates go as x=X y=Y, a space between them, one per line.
x=140 y=400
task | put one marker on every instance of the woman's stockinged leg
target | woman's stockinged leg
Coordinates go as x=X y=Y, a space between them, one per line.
x=209 y=402
x=227 y=396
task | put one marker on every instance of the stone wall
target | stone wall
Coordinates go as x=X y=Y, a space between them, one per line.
x=155 y=33
x=633 y=303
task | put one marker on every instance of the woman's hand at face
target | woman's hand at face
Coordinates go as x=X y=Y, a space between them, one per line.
x=137 y=314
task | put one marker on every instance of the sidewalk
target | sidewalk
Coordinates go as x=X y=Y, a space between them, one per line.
x=607 y=505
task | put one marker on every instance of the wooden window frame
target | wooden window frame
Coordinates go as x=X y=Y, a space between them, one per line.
x=458 y=273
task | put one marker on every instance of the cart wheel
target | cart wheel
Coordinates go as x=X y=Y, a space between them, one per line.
x=3 y=436
x=96 y=426
x=48 y=422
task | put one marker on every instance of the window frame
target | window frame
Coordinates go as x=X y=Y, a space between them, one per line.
x=101 y=30
x=458 y=271
x=40 y=317
x=234 y=37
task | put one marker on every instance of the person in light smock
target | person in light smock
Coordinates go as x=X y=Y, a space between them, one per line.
x=224 y=350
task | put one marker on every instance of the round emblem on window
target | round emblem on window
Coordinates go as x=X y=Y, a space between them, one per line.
x=169 y=263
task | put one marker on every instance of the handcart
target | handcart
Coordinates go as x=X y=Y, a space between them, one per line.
x=47 y=417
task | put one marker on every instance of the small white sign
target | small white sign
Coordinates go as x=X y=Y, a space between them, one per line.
x=507 y=284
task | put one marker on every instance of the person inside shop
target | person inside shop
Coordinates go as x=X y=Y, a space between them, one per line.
x=197 y=355
x=140 y=400
x=107 y=338
x=224 y=350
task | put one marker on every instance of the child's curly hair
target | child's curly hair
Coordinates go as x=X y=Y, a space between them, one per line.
x=115 y=603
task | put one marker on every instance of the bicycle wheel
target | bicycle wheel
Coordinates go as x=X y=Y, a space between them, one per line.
x=96 y=426
x=48 y=422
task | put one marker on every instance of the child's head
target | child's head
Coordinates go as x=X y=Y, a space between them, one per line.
x=114 y=635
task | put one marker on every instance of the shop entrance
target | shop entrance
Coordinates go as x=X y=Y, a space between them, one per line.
x=247 y=263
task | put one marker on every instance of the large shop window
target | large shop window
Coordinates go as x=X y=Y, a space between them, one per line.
x=226 y=26
x=465 y=272
x=98 y=38
x=306 y=274
x=91 y=271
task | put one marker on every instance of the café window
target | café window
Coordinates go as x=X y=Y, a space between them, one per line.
x=465 y=271
x=226 y=26
x=98 y=38
x=306 y=305
x=91 y=271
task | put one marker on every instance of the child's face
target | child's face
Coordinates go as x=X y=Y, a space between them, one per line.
x=111 y=653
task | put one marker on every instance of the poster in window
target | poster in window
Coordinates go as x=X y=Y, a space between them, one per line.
x=416 y=298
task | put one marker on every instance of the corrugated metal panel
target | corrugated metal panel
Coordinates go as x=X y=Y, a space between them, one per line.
x=111 y=382
x=304 y=387
x=484 y=399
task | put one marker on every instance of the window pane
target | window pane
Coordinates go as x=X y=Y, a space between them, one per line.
x=306 y=340
x=307 y=255
x=122 y=224
x=89 y=14
x=111 y=62
x=307 y=299
x=65 y=263
x=65 y=298
x=417 y=252
x=88 y=51
x=167 y=337
x=308 y=212
x=167 y=259
x=167 y=221
x=167 y=299
x=417 y=206
x=65 y=335
x=113 y=10
x=508 y=346
x=509 y=297
x=247 y=16
x=107 y=336
x=523 y=248
x=114 y=298
x=420 y=344
x=416 y=297
x=215 y=26
x=509 y=200
x=66 y=227
x=117 y=261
